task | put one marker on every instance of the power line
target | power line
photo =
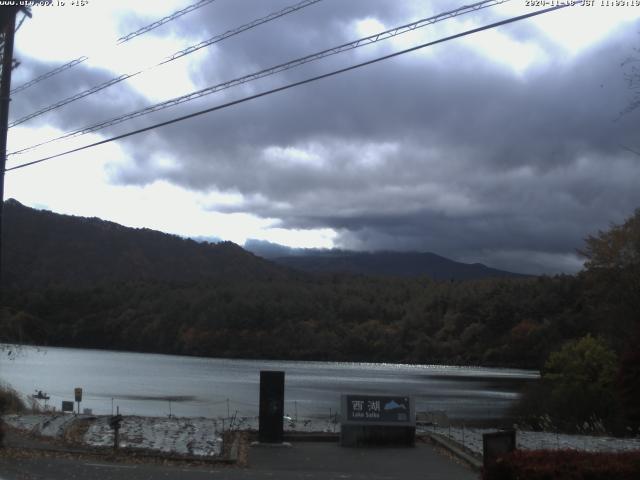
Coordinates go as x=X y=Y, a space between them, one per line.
x=24 y=16
x=120 y=41
x=292 y=85
x=271 y=71
x=73 y=98
x=630 y=149
x=175 y=56
x=49 y=74
x=162 y=21
x=240 y=29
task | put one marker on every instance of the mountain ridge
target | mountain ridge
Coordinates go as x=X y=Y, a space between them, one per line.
x=383 y=262
x=43 y=248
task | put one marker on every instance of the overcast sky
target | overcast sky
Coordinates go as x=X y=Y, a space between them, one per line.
x=504 y=147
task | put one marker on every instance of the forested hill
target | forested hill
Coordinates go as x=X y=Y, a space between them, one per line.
x=401 y=264
x=42 y=248
x=88 y=283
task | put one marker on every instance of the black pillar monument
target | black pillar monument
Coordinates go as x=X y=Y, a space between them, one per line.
x=271 y=406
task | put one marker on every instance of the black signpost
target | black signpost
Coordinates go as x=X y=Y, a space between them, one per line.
x=496 y=444
x=78 y=396
x=377 y=419
x=271 y=406
x=115 y=423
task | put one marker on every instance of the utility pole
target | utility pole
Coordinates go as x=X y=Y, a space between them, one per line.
x=8 y=26
x=8 y=18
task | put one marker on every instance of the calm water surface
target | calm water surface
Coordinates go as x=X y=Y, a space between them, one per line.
x=151 y=384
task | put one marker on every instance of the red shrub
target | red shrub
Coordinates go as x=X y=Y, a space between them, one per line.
x=565 y=465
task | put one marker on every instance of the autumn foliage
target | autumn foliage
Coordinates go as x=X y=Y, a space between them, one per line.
x=564 y=465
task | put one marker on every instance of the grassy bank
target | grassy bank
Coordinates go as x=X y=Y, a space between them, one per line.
x=10 y=401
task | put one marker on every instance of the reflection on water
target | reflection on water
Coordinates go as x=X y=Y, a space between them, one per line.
x=151 y=384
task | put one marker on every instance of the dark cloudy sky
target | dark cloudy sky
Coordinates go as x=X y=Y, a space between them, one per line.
x=505 y=147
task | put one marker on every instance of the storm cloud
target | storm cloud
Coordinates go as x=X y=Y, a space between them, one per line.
x=445 y=150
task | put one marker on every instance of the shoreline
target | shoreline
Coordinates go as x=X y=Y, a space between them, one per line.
x=530 y=372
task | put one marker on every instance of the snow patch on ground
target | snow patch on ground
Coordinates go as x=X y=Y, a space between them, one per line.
x=185 y=436
x=45 y=425
x=471 y=438
x=192 y=436
x=290 y=424
x=201 y=436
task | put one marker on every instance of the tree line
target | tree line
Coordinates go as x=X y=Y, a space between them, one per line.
x=514 y=322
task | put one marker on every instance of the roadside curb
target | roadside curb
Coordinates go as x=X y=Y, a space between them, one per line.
x=290 y=436
x=455 y=448
x=311 y=437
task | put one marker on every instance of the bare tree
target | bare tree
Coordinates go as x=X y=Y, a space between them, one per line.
x=631 y=72
x=631 y=68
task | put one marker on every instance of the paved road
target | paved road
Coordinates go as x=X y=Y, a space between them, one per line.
x=304 y=460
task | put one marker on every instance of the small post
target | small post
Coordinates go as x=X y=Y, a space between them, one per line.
x=228 y=410
x=116 y=436
x=331 y=421
x=463 y=435
x=115 y=425
x=169 y=408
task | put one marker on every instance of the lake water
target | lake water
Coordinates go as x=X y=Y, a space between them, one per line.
x=151 y=384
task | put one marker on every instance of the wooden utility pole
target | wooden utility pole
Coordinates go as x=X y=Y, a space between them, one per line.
x=8 y=18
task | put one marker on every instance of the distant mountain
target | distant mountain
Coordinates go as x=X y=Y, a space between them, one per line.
x=41 y=248
x=399 y=264
x=270 y=250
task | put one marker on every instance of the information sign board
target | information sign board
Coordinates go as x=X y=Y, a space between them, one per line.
x=377 y=420
x=78 y=394
x=378 y=409
x=67 y=406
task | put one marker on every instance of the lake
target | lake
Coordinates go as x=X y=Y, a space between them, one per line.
x=156 y=385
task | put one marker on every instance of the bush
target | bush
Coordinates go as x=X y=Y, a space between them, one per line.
x=577 y=390
x=582 y=380
x=564 y=465
x=628 y=382
x=10 y=401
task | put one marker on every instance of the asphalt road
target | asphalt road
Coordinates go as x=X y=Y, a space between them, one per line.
x=304 y=460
